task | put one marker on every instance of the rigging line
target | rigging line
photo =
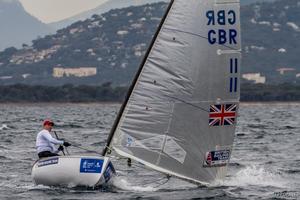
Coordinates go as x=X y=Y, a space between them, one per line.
x=74 y=144
x=200 y=108
x=59 y=145
x=67 y=151
x=63 y=147
x=88 y=150
x=198 y=35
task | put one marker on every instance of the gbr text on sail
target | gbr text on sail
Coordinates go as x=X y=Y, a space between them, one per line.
x=218 y=21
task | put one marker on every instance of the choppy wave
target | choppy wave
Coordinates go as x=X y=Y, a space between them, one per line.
x=292 y=171
x=255 y=175
x=4 y=127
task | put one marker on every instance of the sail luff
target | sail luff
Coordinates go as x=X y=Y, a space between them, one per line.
x=121 y=110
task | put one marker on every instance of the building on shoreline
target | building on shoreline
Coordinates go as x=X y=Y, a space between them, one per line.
x=59 y=72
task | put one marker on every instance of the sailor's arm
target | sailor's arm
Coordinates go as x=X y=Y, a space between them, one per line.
x=52 y=140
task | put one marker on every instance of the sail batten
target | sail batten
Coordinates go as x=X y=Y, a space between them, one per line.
x=181 y=113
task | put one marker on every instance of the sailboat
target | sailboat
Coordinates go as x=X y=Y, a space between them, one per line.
x=180 y=114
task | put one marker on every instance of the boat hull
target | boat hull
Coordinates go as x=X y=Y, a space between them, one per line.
x=88 y=171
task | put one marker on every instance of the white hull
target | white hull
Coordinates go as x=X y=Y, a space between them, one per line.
x=73 y=171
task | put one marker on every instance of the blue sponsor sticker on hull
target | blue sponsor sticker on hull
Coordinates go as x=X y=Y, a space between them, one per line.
x=91 y=165
x=51 y=161
x=110 y=170
x=216 y=158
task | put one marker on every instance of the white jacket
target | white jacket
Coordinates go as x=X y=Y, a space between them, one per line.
x=45 y=142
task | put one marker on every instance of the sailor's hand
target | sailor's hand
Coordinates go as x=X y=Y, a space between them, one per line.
x=60 y=148
x=67 y=144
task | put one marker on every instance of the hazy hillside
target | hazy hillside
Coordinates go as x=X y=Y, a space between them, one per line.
x=114 y=43
x=115 y=4
x=105 y=7
x=109 y=47
x=18 y=26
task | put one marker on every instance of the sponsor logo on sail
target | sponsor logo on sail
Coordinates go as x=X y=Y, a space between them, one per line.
x=216 y=158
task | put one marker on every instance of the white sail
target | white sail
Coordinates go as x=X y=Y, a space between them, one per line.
x=180 y=116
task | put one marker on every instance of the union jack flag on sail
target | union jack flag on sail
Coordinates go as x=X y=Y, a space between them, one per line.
x=222 y=115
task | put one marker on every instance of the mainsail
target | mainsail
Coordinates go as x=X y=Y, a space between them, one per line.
x=180 y=116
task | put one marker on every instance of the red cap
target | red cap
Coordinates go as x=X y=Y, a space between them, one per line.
x=48 y=122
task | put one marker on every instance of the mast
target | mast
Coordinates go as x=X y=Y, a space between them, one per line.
x=116 y=122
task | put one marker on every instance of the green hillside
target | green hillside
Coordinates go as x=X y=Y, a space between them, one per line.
x=112 y=45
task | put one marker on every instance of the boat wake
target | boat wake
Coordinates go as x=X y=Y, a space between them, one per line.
x=33 y=187
x=255 y=176
x=160 y=184
x=123 y=184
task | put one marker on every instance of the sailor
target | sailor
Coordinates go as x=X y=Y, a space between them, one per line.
x=45 y=143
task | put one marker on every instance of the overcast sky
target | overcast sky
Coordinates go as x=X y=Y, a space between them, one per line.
x=55 y=10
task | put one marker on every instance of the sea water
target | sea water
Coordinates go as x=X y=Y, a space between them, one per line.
x=265 y=162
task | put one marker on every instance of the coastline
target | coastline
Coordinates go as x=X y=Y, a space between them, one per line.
x=109 y=94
